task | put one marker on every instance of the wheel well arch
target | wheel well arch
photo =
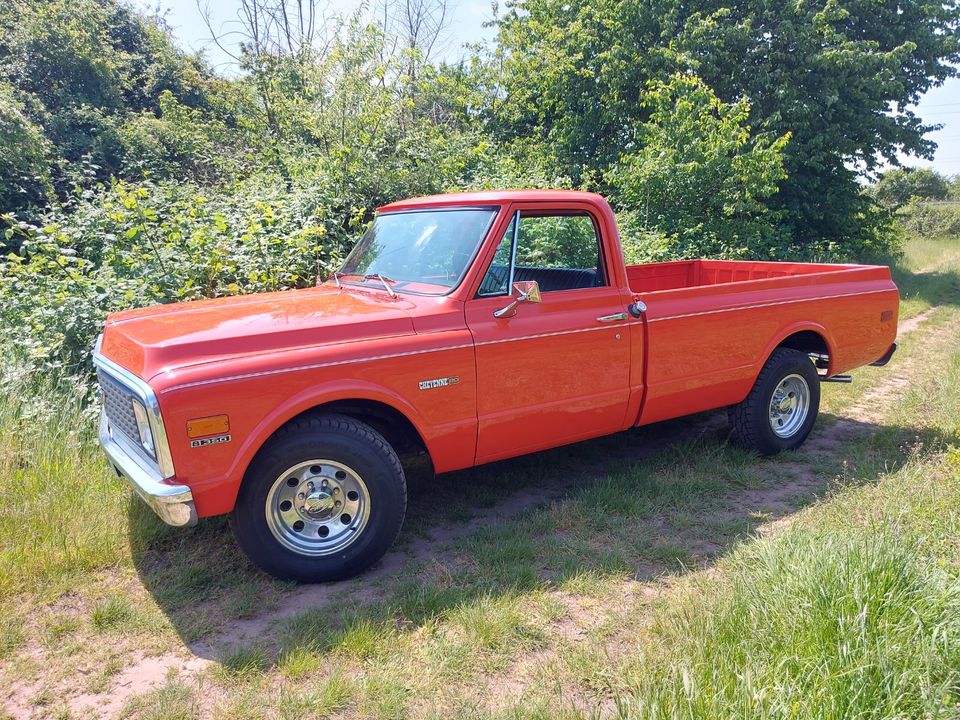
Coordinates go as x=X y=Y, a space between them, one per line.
x=395 y=426
x=397 y=429
x=808 y=341
x=813 y=342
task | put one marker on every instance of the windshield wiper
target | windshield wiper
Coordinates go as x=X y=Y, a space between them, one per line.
x=369 y=276
x=385 y=280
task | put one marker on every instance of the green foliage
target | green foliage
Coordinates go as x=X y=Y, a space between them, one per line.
x=79 y=69
x=133 y=174
x=568 y=241
x=24 y=174
x=829 y=74
x=826 y=74
x=895 y=187
x=695 y=175
x=922 y=219
x=133 y=245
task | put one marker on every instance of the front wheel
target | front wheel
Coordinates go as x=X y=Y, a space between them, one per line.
x=782 y=407
x=323 y=500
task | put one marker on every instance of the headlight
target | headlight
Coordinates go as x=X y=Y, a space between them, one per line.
x=143 y=427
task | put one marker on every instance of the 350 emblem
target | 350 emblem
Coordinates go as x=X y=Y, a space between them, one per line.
x=210 y=441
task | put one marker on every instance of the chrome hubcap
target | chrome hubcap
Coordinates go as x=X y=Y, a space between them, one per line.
x=789 y=405
x=318 y=507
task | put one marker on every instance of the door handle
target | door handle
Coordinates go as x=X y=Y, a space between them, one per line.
x=616 y=317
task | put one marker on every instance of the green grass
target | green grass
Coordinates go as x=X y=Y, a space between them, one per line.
x=112 y=613
x=12 y=636
x=57 y=492
x=172 y=701
x=928 y=275
x=853 y=612
x=331 y=693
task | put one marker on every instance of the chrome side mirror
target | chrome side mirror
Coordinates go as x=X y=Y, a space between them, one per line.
x=526 y=291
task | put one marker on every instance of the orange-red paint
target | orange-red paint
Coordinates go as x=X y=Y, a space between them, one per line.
x=549 y=375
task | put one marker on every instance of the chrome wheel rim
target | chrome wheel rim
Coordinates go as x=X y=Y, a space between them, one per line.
x=789 y=405
x=318 y=507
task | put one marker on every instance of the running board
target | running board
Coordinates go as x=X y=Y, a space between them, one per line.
x=836 y=378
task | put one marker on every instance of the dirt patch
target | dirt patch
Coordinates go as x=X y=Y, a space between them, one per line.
x=910 y=324
x=141 y=676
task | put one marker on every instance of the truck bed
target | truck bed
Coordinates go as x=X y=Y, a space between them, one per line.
x=710 y=324
x=696 y=273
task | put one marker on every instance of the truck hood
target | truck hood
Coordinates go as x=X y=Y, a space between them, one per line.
x=161 y=338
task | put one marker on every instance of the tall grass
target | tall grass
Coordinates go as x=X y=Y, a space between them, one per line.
x=63 y=512
x=817 y=625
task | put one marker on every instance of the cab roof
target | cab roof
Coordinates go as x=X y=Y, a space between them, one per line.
x=493 y=198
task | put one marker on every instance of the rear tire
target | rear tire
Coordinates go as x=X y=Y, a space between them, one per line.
x=323 y=500
x=782 y=407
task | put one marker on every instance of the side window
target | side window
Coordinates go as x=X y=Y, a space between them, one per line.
x=560 y=252
x=498 y=275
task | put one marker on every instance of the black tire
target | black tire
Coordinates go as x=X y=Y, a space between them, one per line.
x=337 y=438
x=752 y=424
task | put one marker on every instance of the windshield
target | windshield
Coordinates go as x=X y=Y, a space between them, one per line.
x=425 y=252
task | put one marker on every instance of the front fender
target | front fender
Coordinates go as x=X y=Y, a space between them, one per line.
x=311 y=398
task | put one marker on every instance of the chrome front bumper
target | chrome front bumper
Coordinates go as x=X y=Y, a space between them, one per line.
x=173 y=503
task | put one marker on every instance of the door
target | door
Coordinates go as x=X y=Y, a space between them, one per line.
x=556 y=371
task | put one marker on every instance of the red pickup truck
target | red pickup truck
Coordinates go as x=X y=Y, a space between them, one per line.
x=472 y=327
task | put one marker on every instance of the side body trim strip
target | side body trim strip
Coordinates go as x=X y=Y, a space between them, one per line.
x=373 y=358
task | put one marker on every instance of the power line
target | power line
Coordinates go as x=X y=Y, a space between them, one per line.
x=937 y=105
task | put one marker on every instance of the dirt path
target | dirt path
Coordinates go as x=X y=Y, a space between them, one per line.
x=857 y=419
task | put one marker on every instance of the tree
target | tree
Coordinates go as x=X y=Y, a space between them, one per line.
x=77 y=69
x=24 y=167
x=837 y=77
x=695 y=174
x=895 y=187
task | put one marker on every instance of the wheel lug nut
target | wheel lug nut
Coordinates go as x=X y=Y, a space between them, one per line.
x=338 y=503
x=301 y=496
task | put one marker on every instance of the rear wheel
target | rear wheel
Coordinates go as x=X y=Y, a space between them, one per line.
x=323 y=500
x=782 y=407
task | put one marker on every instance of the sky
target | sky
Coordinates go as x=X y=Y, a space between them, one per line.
x=939 y=106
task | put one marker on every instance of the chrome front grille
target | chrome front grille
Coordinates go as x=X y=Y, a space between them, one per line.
x=118 y=406
x=120 y=388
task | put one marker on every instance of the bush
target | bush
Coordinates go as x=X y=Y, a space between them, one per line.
x=132 y=245
x=920 y=218
x=24 y=175
x=896 y=187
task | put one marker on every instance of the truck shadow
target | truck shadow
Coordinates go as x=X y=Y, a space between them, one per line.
x=650 y=502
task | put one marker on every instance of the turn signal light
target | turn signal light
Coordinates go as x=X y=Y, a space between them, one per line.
x=214 y=425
